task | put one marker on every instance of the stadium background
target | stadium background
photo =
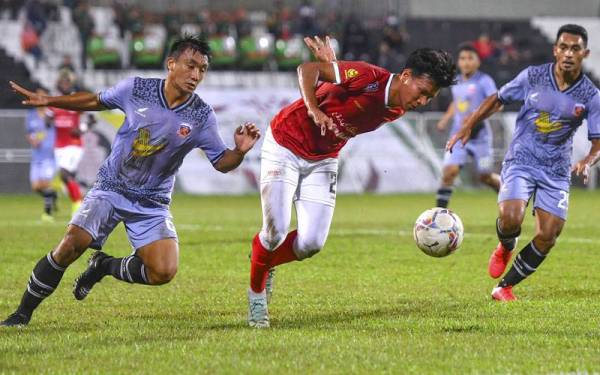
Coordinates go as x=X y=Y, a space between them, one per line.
x=257 y=44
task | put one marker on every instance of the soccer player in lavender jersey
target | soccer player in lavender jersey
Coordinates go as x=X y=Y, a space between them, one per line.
x=164 y=121
x=556 y=98
x=472 y=87
x=41 y=136
x=299 y=155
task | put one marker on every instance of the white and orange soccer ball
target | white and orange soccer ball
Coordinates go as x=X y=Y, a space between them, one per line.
x=438 y=232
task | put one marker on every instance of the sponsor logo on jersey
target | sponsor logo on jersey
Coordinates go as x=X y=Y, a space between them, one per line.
x=462 y=106
x=350 y=73
x=144 y=146
x=371 y=87
x=545 y=125
x=184 y=130
x=140 y=111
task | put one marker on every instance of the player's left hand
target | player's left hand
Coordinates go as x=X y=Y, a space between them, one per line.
x=245 y=137
x=463 y=135
x=582 y=168
x=322 y=51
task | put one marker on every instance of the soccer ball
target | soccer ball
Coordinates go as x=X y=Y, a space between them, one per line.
x=438 y=232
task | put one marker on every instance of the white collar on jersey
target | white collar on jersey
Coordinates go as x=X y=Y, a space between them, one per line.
x=387 y=90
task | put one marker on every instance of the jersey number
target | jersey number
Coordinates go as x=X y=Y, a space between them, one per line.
x=564 y=201
x=332 y=185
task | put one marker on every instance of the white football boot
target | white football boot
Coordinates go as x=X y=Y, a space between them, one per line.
x=258 y=311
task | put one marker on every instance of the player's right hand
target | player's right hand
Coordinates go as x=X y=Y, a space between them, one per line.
x=321 y=50
x=31 y=98
x=463 y=135
x=322 y=121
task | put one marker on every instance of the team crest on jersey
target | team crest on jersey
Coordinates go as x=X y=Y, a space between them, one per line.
x=184 y=130
x=350 y=73
x=472 y=88
x=578 y=110
x=371 y=87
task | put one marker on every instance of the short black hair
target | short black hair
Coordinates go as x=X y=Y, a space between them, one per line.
x=194 y=42
x=467 y=47
x=436 y=64
x=574 y=29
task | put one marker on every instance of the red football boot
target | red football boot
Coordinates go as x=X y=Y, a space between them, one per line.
x=498 y=261
x=503 y=294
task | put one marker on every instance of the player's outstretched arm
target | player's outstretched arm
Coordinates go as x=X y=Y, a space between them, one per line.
x=322 y=51
x=79 y=101
x=245 y=138
x=489 y=106
x=443 y=123
x=582 y=168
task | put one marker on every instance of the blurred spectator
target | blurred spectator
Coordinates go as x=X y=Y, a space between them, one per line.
x=507 y=51
x=172 y=21
x=243 y=26
x=10 y=8
x=67 y=64
x=36 y=16
x=30 y=42
x=135 y=21
x=307 y=24
x=355 y=40
x=394 y=34
x=85 y=23
x=486 y=48
x=389 y=58
x=120 y=11
x=279 y=21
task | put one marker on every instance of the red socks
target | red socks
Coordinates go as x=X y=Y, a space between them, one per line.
x=285 y=252
x=259 y=266
x=74 y=190
x=262 y=260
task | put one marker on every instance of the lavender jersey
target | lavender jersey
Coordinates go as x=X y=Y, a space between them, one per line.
x=153 y=140
x=39 y=128
x=468 y=94
x=548 y=119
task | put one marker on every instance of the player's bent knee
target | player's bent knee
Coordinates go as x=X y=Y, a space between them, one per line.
x=162 y=274
x=510 y=222
x=307 y=252
x=307 y=249
x=547 y=239
x=271 y=240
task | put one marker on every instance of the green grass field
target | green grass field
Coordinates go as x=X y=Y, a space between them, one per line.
x=370 y=302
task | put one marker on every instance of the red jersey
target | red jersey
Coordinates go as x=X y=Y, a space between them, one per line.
x=357 y=104
x=66 y=122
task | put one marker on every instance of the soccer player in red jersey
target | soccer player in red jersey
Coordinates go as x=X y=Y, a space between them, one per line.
x=69 y=145
x=340 y=99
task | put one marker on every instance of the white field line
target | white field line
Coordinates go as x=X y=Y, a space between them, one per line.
x=380 y=232
x=334 y=232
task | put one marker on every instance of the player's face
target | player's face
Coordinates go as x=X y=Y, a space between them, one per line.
x=468 y=62
x=188 y=70
x=416 y=91
x=569 y=52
